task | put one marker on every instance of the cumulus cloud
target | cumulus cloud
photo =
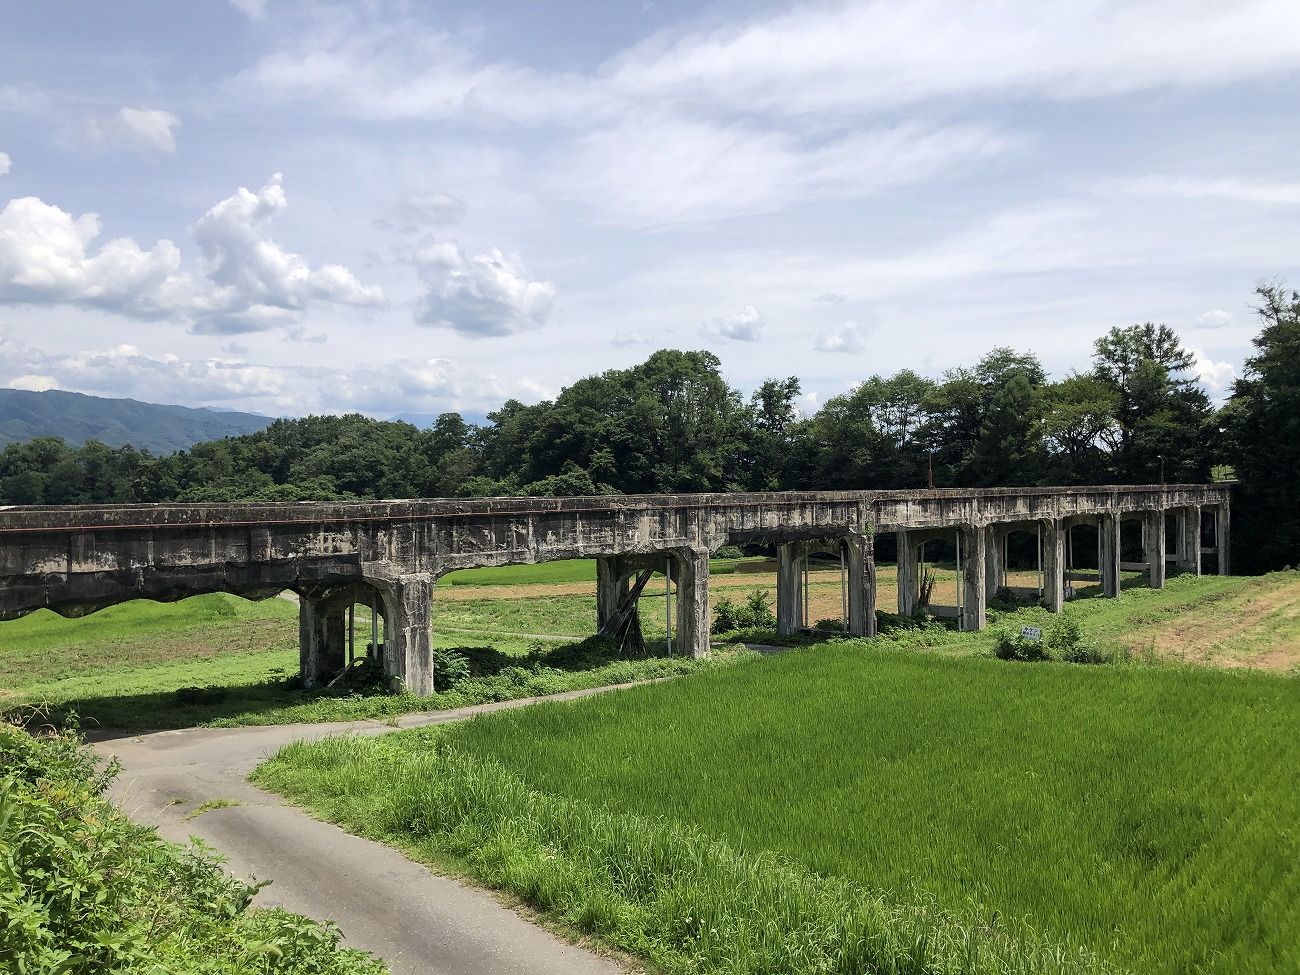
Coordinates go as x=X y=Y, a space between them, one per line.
x=254 y=283
x=832 y=298
x=5 y=163
x=847 y=338
x=146 y=130
x=33 y=382
x=247 y=281
x=1216 y=377
x=742 y=326
x=624 y=339
x=486 y=295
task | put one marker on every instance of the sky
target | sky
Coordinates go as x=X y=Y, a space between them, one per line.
x=389 y=207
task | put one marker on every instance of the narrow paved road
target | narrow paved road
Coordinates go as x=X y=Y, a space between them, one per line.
x=417 y=921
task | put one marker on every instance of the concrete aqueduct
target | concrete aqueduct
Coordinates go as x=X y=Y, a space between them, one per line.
x=389 y=554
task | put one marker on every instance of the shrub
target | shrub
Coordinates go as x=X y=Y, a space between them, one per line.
x=755 y=614
x=84 y=891
x=729 y=552
x=829 y=625
x=450 y=667
x=1062 y=639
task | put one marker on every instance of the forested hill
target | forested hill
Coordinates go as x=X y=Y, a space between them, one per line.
x=76 y=418
x=1133 y=414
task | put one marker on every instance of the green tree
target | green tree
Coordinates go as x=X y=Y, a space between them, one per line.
x=1263 y=423
x=1162 y=412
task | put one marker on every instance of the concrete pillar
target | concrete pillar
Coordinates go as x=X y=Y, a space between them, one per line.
x=1053 y=533
x=611 y=587
x=975 y=543
x=789 y=588
x=861 y=560
x=322 y=637
x=909 y=582
x=692 y=577
x=1191 y=540
x=1109 y=524
x=1153 y=547
x=1221 y=538
x=994 y=559
x=408 y=641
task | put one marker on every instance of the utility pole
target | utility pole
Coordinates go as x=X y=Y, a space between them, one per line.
x=1162 y=467
x=930 y=483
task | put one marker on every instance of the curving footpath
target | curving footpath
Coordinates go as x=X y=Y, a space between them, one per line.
x=414 y=919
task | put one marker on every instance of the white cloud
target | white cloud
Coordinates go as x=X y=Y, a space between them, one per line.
x=1214 y=318
x=33 y=382
x=832 y=298
x=490 y=294
x=248 y=282
x=847 y=338
x=1216 y=377
x=420 y=211
x=661 y=171
x=881 y=55
x=5 y=163
x=745 y=325
x=147 y=130
x=625 y=339
x=45 y=259
x=252 y=9
x=1236 y=190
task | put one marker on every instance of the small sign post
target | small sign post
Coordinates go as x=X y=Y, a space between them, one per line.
x=1034 y=634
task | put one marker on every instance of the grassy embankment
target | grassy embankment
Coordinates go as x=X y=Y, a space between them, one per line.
x=852 y=806
x=84 y=891
x=129 y=665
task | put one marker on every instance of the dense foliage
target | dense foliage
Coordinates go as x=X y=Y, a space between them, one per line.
x=673 y=423
x=83 y=891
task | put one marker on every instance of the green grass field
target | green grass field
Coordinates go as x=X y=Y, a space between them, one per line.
x=124 y=666
x=1146 y=814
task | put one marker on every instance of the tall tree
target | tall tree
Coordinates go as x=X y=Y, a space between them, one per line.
x=1263 y=422
x=1163 y=415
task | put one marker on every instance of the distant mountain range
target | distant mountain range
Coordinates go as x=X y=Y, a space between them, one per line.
x=77 y=418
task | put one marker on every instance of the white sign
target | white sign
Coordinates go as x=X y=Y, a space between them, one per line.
x=1033 y=634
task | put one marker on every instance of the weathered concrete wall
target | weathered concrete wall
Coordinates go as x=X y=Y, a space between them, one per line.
x=75 y=560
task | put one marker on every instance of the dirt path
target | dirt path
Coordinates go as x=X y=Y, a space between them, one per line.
x=416 y=920
x=1258 y=628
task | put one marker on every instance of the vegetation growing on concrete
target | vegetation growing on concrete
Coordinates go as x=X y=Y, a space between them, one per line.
x=1143 y=813
x=84 y=891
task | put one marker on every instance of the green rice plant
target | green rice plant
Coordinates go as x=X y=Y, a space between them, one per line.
x=1144 y=813
x=688 y=902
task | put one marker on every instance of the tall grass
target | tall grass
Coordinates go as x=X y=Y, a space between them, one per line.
x=665 y=891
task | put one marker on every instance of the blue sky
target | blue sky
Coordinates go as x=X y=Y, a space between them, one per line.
x=401 y=207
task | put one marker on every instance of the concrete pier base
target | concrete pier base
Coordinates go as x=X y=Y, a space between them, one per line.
x=790 y=559
x=973 y=565
x=691 y=573
x=1153 y=547
x=1053 y=535
x=860 y=561
x=1109 y=525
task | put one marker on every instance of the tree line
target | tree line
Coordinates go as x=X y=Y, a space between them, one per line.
x=1135 y=414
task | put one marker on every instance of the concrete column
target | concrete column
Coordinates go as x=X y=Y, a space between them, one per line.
x=975 y=543
x=322 y=638
x=909 y=582
x=692 y=578
x=1053 y=565
x=611 y=587
x=994 y=559
x=1108 y=524
x=1221 y=538
x=1191 y=540
x=408 y=641
x=789 y=588
x=1153 y=547
x=861 y=560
